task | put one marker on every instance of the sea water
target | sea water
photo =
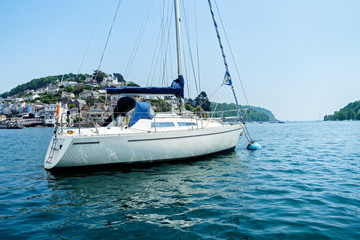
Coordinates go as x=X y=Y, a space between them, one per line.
x=303 y=184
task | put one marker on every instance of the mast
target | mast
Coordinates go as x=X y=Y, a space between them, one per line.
x=178 y=46
x=178 y=40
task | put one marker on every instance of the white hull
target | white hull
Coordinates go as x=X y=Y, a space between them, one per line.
x=135 y=135
x=73 y=150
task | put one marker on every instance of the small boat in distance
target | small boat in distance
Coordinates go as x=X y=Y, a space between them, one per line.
x=11 y=125
x=135 y=134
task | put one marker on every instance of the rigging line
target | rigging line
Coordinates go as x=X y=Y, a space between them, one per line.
x=163 y=49
x=159 y=55
x=138 y=39
x=156 y=53
x=170 y=56
x=161 y=38
x=227 y=73
x=232 y=55
x=107 y=40
x=247 y=134
x=190 y=53
x=153 y=58
x=209 y=97
x=156 y=63
x=214 y=110
x=186 y=74
x=167 y=49
x=92 y=35
x=197 y=46
x=169 y=45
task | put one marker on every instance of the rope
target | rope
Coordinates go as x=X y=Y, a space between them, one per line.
x=228 y=80
x=232 y=55
x=214 y=109
x=165 y=44
x=107 y=40
x=247 y=134
x=138 y=39
x=197 y=47
x=156 y=57
x=186 y=75
x=198 y=107
x=92 y=35
x=190 y=52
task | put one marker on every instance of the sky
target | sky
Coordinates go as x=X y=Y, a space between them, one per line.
x=298 y=58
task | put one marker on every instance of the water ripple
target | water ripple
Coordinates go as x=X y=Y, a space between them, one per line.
x=303 y=184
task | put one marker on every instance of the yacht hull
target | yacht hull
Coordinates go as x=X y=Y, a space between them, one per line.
x=75 y=151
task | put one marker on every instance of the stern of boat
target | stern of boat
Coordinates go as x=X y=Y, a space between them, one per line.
x=57 y=148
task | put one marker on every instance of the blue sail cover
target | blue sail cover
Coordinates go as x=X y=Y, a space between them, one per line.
x=176 y=88
x=142 y=110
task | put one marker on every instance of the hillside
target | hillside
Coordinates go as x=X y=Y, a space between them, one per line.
x=43 y=82
x=250 y=113
x=349 y=112
x=254 y=113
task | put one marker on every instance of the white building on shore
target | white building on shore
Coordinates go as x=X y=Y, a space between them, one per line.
x=50 y=114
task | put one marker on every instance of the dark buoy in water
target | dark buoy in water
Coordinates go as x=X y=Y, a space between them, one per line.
x=253 y=146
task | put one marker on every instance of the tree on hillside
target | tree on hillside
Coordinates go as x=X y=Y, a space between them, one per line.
x=119 y=77
x=203 y=101
x=99 y=76
x=351 y=114
x=70 y=88
x=341 y=115
x=190 y=101
x=41 y=82
x=132 y=84
x=358 y=116
x=160 y=105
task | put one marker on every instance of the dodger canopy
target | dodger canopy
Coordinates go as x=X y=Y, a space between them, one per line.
x=126 y=104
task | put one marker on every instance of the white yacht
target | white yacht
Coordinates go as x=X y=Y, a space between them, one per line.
x=135 y=134
x=166 y=137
